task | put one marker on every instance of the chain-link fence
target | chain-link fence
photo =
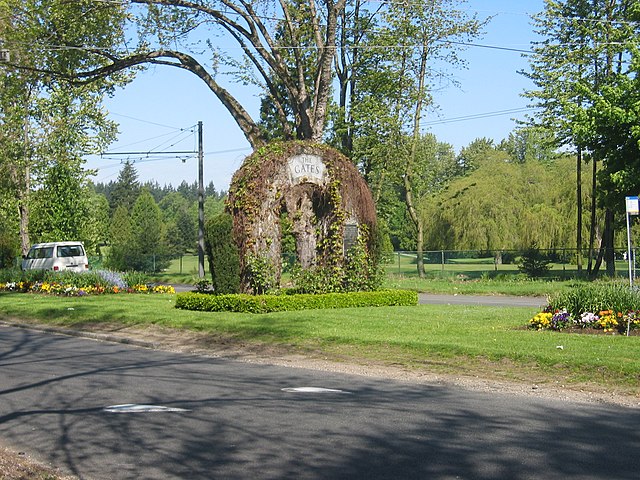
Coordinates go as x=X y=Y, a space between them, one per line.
x=465 y=263
x=474 y=263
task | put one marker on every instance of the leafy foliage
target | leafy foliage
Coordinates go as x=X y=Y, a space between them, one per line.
x=503 y=205
x=48 y=124
x=361 y=272
x=261 y=274
x=121 y=237
x=586 y=77
x=61 y=205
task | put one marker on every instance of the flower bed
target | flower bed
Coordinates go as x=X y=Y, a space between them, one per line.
x=606 y=321
x=54 y=288
x=605 y=308
x=97 y=282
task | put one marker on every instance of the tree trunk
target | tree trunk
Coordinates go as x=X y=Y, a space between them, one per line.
x=22 y=182
x=608 y=239
x=415 y=218
x=23 y=209
x=592 y=231
x=324 y=81
x=579 y=210
x=417 y=115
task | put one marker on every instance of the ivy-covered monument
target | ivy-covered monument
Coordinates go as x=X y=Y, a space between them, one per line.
x=317 y=196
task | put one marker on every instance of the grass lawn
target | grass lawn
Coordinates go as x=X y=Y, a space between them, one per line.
x=515 y=285
x=463 y=340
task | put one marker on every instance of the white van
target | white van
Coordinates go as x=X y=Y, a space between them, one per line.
x=56 y=256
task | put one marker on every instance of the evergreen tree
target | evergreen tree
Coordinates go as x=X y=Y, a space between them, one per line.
x=181 y=226
x=97 y=227
x=126 y=189
x=121 y=252
x=148 y=237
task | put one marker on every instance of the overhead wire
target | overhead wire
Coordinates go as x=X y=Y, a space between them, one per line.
x=478 y=116
x=382 y=2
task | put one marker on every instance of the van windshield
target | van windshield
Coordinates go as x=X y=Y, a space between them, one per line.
x=70 y=251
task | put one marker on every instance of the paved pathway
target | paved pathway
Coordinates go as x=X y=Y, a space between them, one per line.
x=487 y=300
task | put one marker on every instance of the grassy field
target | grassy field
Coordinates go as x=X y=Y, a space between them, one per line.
x=518 y=286
x=462 y=340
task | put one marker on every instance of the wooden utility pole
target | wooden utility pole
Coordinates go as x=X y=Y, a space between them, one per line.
x=200 y=204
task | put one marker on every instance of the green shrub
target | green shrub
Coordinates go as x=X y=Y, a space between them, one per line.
x=91 y=278
x=596 y=297
x=261 y=274
x=17 y=275
x=132 y=278
x=223 y=255
x=242 y=303
x=316 y=279
x=362 y=271
x=8 y=250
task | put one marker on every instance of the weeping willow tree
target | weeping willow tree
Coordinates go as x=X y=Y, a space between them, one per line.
x=504 y=205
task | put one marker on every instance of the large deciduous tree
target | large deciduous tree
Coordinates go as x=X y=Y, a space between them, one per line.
x=420 y=43
x=277 y=40
x=582 y=71
x=47 y=126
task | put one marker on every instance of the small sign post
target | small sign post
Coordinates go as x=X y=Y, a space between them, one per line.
x=633 y=208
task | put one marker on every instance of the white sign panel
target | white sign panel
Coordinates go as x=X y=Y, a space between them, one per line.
x=307 y=168
x=633 y=206
x=4 y=56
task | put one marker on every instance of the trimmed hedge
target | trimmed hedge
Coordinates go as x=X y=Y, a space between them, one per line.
x=242 y=303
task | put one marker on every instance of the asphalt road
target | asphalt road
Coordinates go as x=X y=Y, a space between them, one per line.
x=240 y=421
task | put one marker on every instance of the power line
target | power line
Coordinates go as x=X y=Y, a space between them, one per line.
x=477 y=116
x=148 y=122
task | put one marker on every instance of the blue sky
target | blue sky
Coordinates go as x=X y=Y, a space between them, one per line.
x=161 y=101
